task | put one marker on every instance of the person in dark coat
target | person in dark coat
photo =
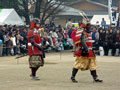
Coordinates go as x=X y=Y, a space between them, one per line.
x=101 y=38
x=106 y=46
x=110 y=41
x=1 y=33
x=116 y=43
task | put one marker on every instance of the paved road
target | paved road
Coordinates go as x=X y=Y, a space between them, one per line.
x=55 y=75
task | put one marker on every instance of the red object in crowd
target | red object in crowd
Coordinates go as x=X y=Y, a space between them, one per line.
x=66 y=34
x=53 y=41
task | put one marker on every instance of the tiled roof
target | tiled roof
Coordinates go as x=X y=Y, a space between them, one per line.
x=89 y=5
x=86 y=5
x=69 y=11
x=95 y=12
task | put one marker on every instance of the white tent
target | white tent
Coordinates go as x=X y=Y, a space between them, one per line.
x=98 y=18
x=10 y=17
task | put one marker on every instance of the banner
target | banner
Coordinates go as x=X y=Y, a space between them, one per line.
x=115 y=18
x=110 y=9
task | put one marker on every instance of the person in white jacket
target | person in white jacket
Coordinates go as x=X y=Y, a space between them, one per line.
x=13 y=39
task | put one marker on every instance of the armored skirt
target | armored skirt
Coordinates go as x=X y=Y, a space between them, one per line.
x=87 y=62
x=36 y=61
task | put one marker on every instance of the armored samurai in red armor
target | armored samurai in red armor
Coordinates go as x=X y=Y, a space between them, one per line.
x=85 y=57
x=35 y=51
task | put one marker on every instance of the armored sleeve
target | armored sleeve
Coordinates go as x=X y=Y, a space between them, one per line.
x=83 y=41
x=35 y=44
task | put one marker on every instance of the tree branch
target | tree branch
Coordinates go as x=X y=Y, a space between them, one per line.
x=51 y=13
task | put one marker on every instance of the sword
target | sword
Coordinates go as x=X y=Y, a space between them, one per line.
x=21 y=56
x=96 y=51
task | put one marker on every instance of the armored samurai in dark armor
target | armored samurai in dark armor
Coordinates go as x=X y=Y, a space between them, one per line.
x=85 y=57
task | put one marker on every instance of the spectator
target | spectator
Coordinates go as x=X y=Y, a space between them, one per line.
x=100 y=42
x=1 y=40
x=58 y=46
x=24 y=34
x=110 y=43
x=14 y=42
x=1 y=47
x=23 y=48
x=101 y=38
x=69 y=24
x=65 y=44
x=95 y=37
x=6 y=44
x=116 y=49
x=103 y=22
x=106 y=45
x=1 y=33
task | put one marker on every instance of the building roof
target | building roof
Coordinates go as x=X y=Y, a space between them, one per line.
x=88 y=5
x=105 y=2
x=76 y=12
x=69 y=11
x=91 y=8
x=93 y=12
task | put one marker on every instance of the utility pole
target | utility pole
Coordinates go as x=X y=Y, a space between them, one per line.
x=110 y=10
x=113 y=15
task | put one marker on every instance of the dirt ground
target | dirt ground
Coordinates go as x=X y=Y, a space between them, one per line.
x=55 y=75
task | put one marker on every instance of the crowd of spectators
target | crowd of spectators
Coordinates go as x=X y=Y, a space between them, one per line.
x=108 y=39
x=13 y=39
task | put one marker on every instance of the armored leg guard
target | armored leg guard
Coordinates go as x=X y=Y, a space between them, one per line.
x=74 y=72
x=95 y=77
x=33 y=74
x=33 y=71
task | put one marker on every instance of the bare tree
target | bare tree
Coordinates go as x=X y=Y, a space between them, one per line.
x=48 y=8
x=44 y=8
x=26 y=11
x=37 y=8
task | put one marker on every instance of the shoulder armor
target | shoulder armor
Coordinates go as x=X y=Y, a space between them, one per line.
x=78 y=36
x=30 y=34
